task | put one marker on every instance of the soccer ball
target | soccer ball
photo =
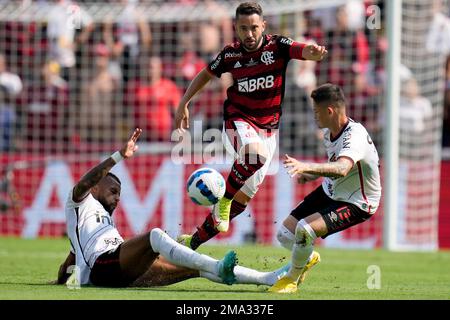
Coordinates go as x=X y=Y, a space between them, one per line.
x=206 y=186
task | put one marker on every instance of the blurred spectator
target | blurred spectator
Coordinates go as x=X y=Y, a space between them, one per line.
x=347 y=48
x=438 y=37
x=215 y=32
x=190 y=64
x=153 y=100
x=325 y=18
x=356 y=13
x=25 y=41
x=10 y=87
x=9 y=82
x=328 y=20
x=44 y=110
x=213 y=35
x=115 y=49
x=99 y=113
x=416 y=114
x=132 y=38
x=364 y=100
x=415 y=143
x=64 y=18
x=208 y=106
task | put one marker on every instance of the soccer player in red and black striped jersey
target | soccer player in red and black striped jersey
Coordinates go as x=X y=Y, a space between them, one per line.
x=252 y=110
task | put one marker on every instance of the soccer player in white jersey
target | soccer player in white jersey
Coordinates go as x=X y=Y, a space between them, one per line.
x=101 y=257
x=349 y=194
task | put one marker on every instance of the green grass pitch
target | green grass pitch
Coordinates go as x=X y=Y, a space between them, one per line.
x=27 y=265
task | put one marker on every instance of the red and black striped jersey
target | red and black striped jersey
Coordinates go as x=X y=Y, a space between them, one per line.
x=258 y=79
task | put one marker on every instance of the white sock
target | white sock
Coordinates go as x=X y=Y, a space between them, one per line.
x=302 y=249
x=249 y=276
x=210 y=276
x=181 y=255
x=300 y=256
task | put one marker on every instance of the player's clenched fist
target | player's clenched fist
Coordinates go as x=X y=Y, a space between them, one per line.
x=314 y=52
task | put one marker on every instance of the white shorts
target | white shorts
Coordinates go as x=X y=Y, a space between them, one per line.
x=236 y=135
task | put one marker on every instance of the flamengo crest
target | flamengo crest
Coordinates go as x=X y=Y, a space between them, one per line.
x=267 y=57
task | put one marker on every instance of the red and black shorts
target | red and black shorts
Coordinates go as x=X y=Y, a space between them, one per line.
x=338 y=215
x=106 y=271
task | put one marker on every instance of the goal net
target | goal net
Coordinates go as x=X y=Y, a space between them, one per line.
x=77 y=77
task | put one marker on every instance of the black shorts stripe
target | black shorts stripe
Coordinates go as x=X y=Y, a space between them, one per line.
x=72 y=246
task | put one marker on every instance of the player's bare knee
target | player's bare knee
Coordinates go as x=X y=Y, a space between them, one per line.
x=155 y=237
x=242 y=198
x=304 y=234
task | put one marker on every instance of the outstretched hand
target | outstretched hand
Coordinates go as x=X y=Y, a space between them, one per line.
x=314 y=52
x=293 y=166
x=182 y=118
x=130 y=147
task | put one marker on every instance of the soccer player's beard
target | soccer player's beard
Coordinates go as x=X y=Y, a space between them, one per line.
x=257 y=44
x=108 y=208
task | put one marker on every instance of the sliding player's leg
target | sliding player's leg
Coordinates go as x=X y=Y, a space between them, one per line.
x=223 y=271
x=183 y=256
x=163 y=273
x=136 y=256
x=250 y=276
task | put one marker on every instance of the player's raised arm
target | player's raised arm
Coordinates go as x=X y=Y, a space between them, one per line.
x=93 y=176
x=182 y=113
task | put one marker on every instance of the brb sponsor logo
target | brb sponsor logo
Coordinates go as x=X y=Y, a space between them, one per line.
x=250 y=85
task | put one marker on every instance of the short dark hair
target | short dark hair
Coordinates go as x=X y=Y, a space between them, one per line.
x=249 y=8
x=113 y=176
x=329 y=93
